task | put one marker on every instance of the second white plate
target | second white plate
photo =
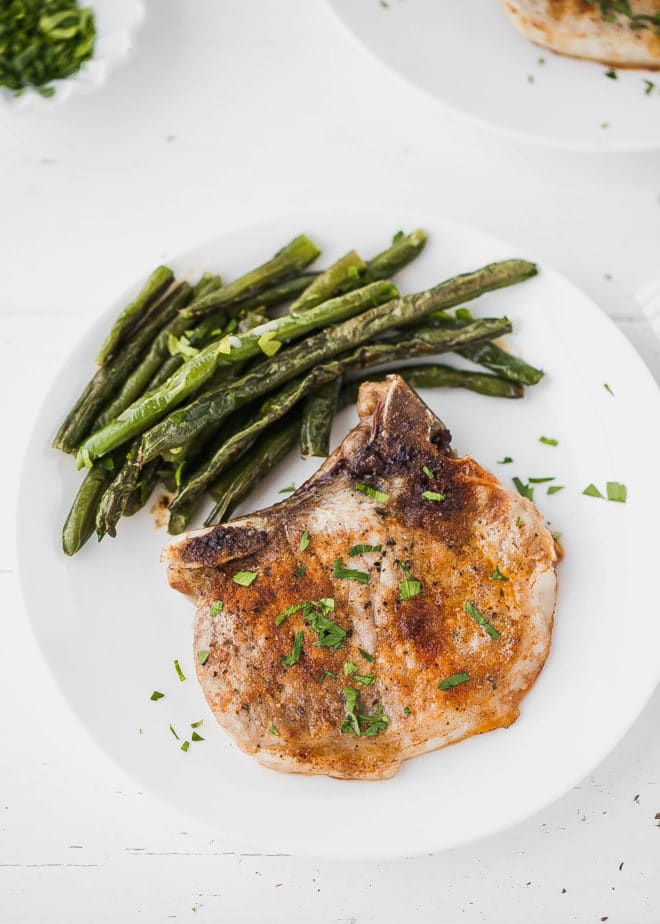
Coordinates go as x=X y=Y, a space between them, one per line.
x=480 y=68
x=110 y=627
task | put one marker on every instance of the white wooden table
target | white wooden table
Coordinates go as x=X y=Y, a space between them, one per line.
x=227 y=113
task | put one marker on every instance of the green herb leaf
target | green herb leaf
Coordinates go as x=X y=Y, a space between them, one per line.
x=185 y=745
x=304 y=541
x=196 y=737
x=180 y=346
x=497 y=575
x=349 y=668
x=427 y=471
x=288 y=490
x=541 y=480
x=362 y=549
x=407 y=710
x=245 y=578
x=505 y=460
x=410 y=587
x=357 y=722
x=325 y=674
x=548 y=440
x=366 y=679
x=607 y=388
x=202 y=657
x=649 y=87
x=433 y=496
x=555 y=488
x=592 y=491
x=616 y=492
x=349 y=574
x=273 y=730
x=296 y=651
x=472 y=611
x=216 y=608
x=179 y=672
x=454 y=681
x=197 y=724
x=300 y=571
x=380 y=496
x=174 y=733
x=518 y=522
x=366 y=655
x=156 y=695
x=524 y=489
x=289 y=611
x=612 y=75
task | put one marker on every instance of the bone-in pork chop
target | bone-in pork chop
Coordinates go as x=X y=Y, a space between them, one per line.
x=401 y=600
x=586 y=29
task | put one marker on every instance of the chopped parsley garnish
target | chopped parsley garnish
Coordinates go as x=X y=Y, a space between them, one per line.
x=196 y=737
x=616 y=492
x=349 y=574
x=366 y=679
x=216 y=608
x=304 y=541
x=325 y=674
x=245 y=578
x=179 y=672
x=649 y=87
x=608 y=388
x=541 y=480
x=156 y=695
x=454 y=680
x=523 y=489
x=197 y=724
x=315 y=613
x=592 y=491
x=429 y=474
x=433 y=495
x=349 y=668
x=612 y=75
x=497 y=575
x=505 y=460
x=556 y=536
x=548 y=440
x=407 y=710
x=410 y=587
x=288 y=490
x=518 y=522
x=174 y=733
x=472 y=611
x=273 y=730
x=362 y=549
x=372 y=492
x=555 y=488
x=296 y=651
x=300 y=570
x=357 y=722
x=185 y=745
x=366 y=655
x=202 y=657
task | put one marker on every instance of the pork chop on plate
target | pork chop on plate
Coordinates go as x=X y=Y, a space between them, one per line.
x=399 y=601
x=604 y=32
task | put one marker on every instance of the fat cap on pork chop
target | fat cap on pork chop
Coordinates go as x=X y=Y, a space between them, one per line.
x=462 y=586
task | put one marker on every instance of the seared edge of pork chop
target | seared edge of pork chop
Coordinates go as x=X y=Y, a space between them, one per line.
x=453 y=546
x=577 y=29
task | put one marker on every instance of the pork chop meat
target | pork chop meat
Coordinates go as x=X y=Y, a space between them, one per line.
x=438 y=636
x=583 y=29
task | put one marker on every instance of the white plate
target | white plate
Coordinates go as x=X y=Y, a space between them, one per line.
x=480 y=68
x=117 y=21
x=110 y=626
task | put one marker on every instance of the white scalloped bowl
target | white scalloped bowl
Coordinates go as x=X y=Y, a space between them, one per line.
x=117 y=22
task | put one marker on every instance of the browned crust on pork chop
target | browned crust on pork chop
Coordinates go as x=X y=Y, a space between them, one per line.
x=577 y=28
x=452 y=546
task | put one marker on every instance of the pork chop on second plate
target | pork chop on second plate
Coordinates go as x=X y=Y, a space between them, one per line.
x=401 y=600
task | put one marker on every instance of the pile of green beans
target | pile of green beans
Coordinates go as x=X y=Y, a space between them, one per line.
x=201 y=389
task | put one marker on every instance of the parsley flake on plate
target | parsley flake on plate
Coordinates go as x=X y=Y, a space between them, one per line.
x=245 y=578
x=472 y=611
x=380 y=496
x=454 y=681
